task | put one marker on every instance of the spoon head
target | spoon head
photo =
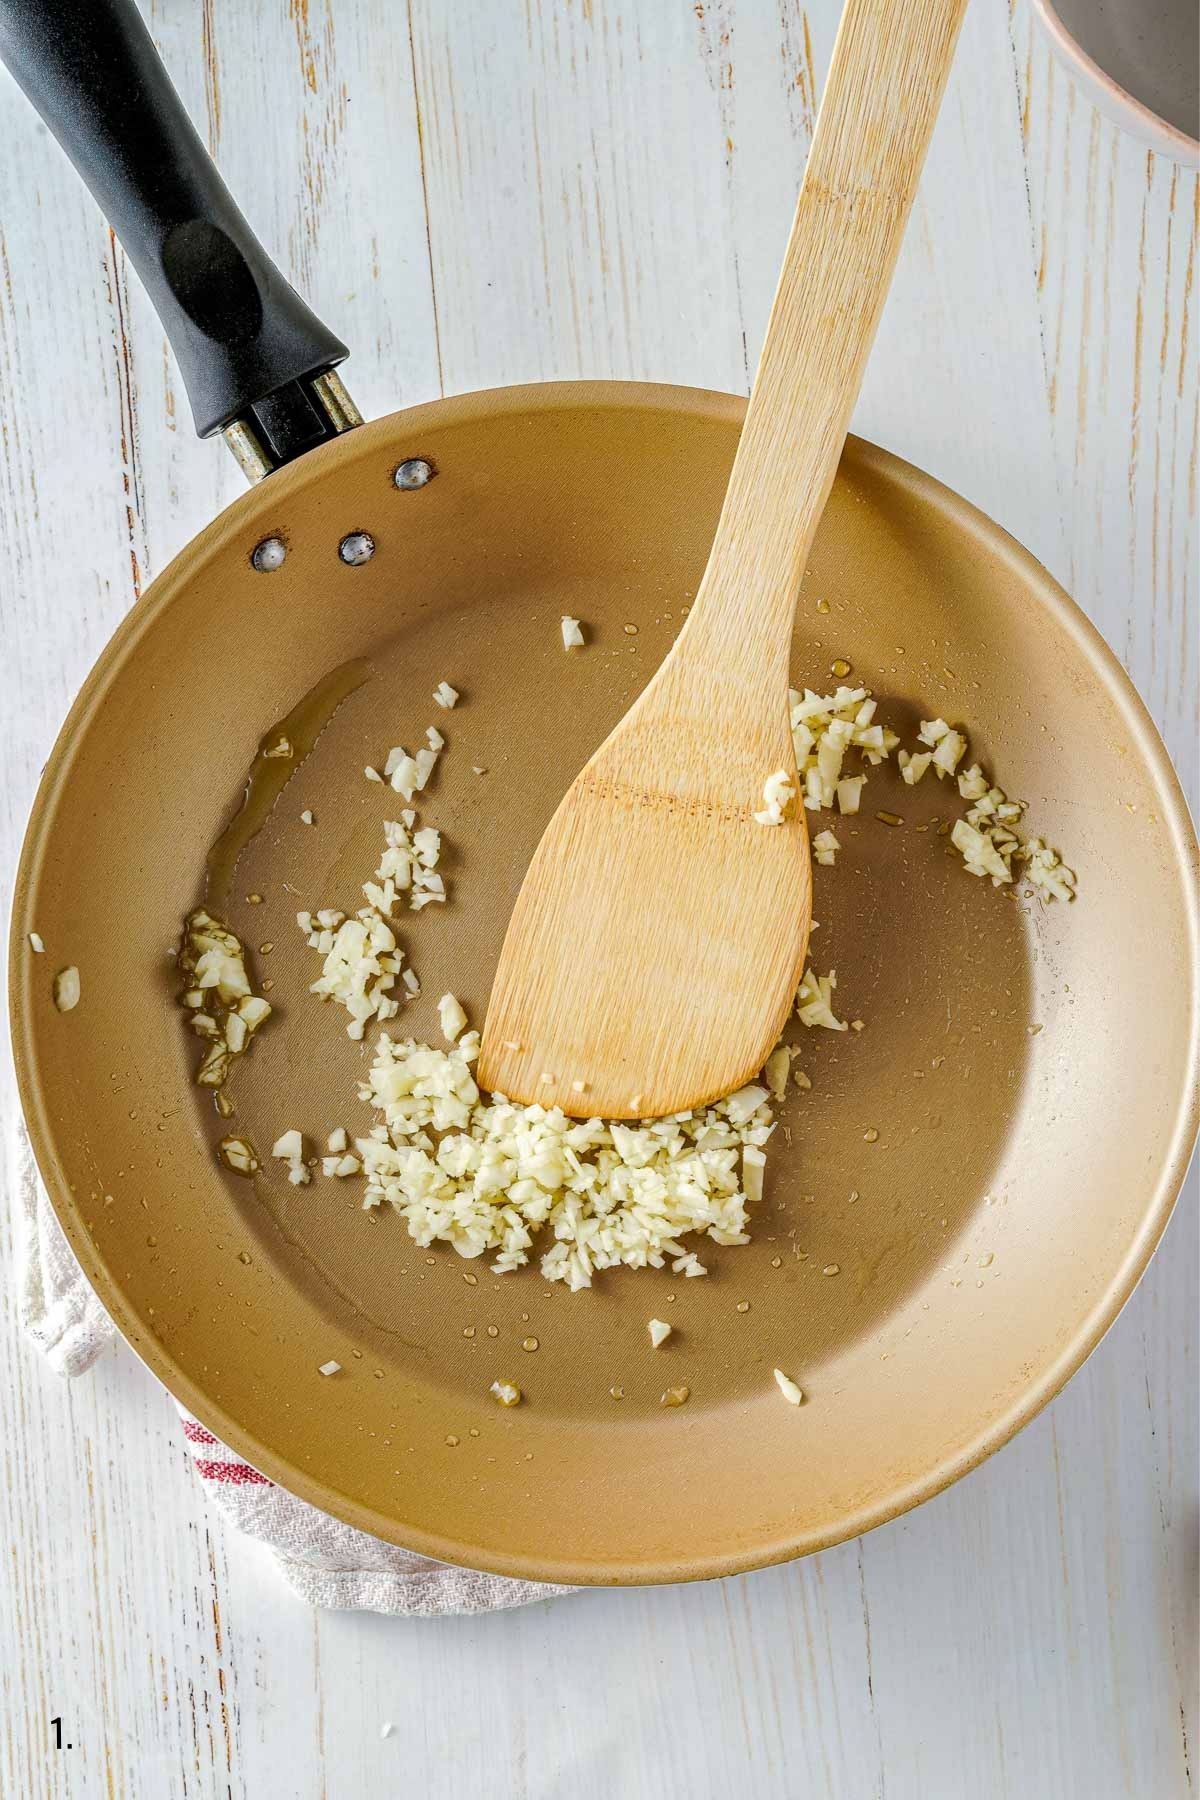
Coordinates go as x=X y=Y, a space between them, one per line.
x=656 y=944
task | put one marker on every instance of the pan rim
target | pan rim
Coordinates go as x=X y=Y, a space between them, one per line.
x=952 y=1464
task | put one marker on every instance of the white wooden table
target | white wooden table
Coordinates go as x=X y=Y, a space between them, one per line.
x=507 y=190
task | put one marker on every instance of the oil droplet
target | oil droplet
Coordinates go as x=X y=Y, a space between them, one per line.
x=839 y=667
x=986 y=1259
x=493 y=1331
x=853 y=1195
x=675 y=1396
x=474 y=1431
x=430 y=1260
x=254 y=899
x=357 y=1354
x=889 y=818
x=743 y=1306
x=152 y=1241
x=468 y=1331
x=471 y=1280
x=777 y=1262
x=832 y=1269
x=451 y=1440
x=529 y=1343
x=871 y=1136
x=244 y=1256
x=265 y=949
x=631 y=630
x=618 y=1393
x=822 y=606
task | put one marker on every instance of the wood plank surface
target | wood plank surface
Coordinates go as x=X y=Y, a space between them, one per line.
x=510 y=190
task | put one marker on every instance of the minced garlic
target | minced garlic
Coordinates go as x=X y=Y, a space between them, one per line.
x=777 y=791
x=913 y=767
x=775 y=1070
x=946 y=745
x=66 y=989
x=1047 y=871
x=451 y=1017
x=362 y=961
x=238 y=1154
x=485 y=1175
x=814 y=1001
x=824 y=728
x=289 y=1148
x=224 y=1011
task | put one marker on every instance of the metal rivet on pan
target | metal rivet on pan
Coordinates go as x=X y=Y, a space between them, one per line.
x=413 y=474
x=358 y=547
x=268 y=555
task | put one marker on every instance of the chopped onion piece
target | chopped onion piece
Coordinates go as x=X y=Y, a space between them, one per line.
x=445 y=695
x=572 y=636
x=659 y=1331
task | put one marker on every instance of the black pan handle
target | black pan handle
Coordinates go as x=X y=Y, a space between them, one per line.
x=255 y=360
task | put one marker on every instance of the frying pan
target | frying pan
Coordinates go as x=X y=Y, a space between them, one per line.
x=954 y=1213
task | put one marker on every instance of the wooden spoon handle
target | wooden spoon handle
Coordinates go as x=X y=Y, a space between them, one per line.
x=885 y=83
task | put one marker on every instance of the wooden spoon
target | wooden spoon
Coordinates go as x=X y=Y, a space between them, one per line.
x=659 y=936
